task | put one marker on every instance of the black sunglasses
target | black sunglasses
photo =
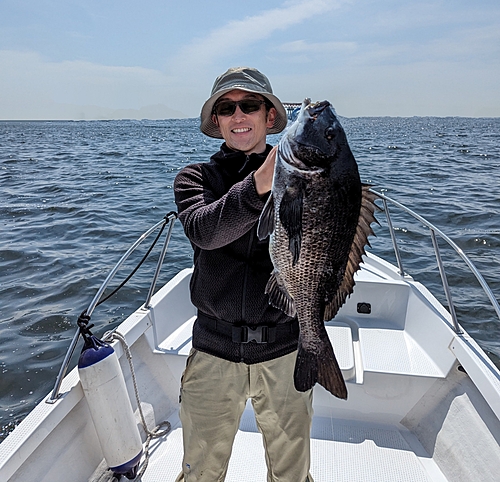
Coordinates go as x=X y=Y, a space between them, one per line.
x=228 y=107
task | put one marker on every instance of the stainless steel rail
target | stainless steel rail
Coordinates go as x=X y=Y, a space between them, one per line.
x=170 y=218
x=433 y=231
x=147 y=303
x=385 y=199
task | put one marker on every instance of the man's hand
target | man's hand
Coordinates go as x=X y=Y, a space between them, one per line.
x=263 y=176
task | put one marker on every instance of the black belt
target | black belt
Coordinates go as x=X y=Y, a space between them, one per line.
x=245 y=333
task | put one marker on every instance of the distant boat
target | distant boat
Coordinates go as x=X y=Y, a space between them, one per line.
x=292 y=109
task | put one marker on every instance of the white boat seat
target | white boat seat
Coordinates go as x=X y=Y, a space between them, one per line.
x=405 y=357
x=179 y=341
x=394 y=351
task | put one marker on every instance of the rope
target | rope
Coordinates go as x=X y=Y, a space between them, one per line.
x=122 y=284
x=84 y=318
x=151 y=434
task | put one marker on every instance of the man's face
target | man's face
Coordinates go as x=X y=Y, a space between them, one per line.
x=245 y=132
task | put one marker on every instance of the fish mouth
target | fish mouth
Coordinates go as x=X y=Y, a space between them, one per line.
x=314 y=110
x=311 y=110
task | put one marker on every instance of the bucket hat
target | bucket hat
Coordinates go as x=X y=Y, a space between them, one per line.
x=249 y=80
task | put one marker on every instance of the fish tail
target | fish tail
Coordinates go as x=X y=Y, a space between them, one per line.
x=323 y=369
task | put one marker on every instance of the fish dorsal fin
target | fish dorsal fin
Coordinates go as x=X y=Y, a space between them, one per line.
x=290 y=214
x=266 y=220
x=363 y=230
x=279 y=297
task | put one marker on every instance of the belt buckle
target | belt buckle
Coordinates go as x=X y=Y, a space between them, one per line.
x=245 y=334
x=259 y=334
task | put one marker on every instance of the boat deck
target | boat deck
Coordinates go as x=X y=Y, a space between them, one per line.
x=341 y=452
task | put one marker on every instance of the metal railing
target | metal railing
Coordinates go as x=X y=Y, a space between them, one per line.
x=168 y=219
x=433 y=232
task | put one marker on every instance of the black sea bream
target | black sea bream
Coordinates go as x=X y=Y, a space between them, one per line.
x=318 y=216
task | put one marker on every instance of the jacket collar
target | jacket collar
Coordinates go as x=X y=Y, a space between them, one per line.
x=237 y=162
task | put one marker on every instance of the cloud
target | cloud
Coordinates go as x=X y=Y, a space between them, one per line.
x=304 y=47
x=238 y=35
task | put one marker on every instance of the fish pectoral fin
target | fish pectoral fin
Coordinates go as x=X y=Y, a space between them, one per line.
x=266 y=220
x=279 y=296
x=322 y=368
x=290 y=214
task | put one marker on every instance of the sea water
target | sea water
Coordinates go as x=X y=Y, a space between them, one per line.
x=75 y=195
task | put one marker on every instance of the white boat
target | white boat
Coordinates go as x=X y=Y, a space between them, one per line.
x=424 y=399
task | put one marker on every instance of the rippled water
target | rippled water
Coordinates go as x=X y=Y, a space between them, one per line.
x=75 y=195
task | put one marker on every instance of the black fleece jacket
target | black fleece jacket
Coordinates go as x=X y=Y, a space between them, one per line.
x=219 y=209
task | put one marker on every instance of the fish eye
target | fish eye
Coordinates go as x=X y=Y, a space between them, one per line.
x=330 y=133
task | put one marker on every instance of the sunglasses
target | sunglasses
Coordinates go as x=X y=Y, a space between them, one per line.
x=228 y=107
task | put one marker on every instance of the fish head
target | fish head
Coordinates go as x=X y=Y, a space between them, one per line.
x=316 y=137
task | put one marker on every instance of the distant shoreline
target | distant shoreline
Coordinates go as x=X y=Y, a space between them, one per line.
x=105 y=119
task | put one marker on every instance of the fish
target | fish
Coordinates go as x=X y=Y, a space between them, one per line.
x=318 y=217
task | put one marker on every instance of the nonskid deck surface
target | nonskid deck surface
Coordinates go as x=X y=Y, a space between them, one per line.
x=341 y=452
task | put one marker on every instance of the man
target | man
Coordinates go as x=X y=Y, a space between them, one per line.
x=243 y=348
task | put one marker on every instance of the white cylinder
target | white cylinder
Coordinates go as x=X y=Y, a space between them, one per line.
x=112 y=414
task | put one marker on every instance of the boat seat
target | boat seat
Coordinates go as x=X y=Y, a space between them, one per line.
x=179 y=343
x=405 y=356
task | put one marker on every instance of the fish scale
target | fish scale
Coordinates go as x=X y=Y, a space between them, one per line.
x=317 y=236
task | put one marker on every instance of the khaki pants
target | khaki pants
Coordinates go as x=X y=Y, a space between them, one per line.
x=214 y=394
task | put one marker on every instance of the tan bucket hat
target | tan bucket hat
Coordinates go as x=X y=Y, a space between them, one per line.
x=249 y=80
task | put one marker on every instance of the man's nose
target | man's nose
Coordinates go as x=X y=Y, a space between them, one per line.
x=238 y=112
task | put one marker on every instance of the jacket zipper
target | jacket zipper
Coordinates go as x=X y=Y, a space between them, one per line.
x=245 y=275
x=244 y=287
x=245 y=278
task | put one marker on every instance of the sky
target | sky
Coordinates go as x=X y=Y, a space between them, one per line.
x=97 y=59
